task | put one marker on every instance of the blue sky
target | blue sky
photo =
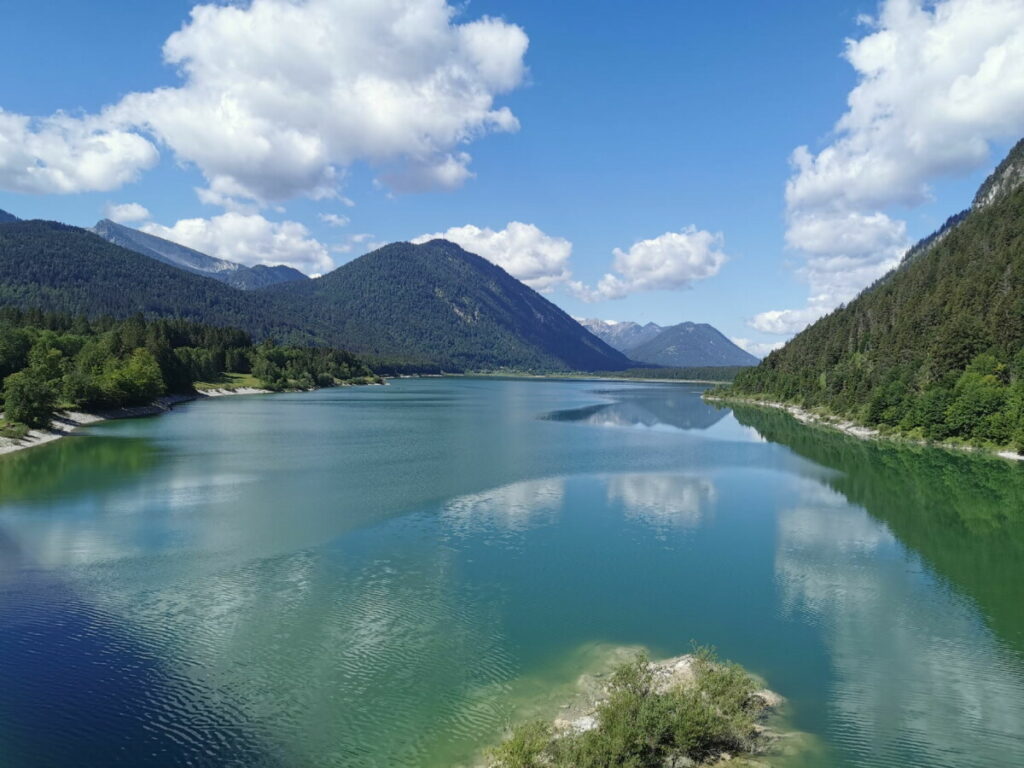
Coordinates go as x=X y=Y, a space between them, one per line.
x=634 y=120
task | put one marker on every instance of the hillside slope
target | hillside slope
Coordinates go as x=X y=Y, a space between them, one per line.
x=431 y=304
x=436 y=301
x=57 y=268
x=691 y=345
x=235 y=275
x=934 y=348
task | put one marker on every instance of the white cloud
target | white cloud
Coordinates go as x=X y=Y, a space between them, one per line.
x=786 y=322
x=64 y=155
x=937 y=83
x=279 y=97
x=125 y=212
x=523 y=250
x=672 y=260
x=363 y=241
x=756 y=348
x=334 y=220
x=249 y=239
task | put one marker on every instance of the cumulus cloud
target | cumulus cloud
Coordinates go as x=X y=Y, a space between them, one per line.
x=126 y=212
x=523 y=250
x=63 y=154
x=937 y=83
x=756 y=348
x=280 y=96
x=334 y=219
x=786 y=322
x=249 y=239
x=672 y=260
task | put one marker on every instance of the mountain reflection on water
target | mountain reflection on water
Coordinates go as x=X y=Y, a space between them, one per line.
x=666 y=406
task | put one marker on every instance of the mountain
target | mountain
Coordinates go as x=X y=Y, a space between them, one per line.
x=236 y=275
x=58 y=268
x=6 y=217
x=436 y=301
x=691 y=344
x=430 y=304
x=936 y=347
x=620 y=335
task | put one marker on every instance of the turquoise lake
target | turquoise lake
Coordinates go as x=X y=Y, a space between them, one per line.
x=389 y=576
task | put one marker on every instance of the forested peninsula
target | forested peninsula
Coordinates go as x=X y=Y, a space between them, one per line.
x=52 y=363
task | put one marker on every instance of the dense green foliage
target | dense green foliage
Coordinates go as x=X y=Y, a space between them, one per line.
x=56 y=268
x=416 y=308
x=640 y=726
x=708 y=373
x=51 y=361
x=690 y=345
x=936 y=348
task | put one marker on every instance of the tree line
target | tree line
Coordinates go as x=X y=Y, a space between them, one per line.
x=51 y=362
x=933 y=350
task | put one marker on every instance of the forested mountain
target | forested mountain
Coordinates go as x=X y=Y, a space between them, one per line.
x=436 y=301
x=621 y=335
x=6 y=217
x=691 y=344
x=410 y=306
x=936 y=347
x=236 y=275
x=57 y=268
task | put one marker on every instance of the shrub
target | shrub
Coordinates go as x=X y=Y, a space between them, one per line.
x=642 y=727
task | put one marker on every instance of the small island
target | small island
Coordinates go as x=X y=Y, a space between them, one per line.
x=688 y=710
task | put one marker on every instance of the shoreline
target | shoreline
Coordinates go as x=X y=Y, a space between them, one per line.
x=568 y=377
x=852 y=428
x=66 y=422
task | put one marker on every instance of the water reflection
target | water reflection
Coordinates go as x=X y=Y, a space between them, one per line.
x=918 y=678
x=513 y=507
x=673 y=407
x=72 y=465
x=963 y=513
x=673 y=501
x=75 y=668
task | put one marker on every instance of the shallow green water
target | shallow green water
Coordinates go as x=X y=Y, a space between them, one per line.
x=387 y=576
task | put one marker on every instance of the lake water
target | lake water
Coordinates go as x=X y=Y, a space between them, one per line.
x=388 y=576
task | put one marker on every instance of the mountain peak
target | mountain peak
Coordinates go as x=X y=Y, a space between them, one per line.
x=7 y=218
x=191 y=260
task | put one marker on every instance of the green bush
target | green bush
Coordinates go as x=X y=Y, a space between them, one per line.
x=641 y=727
x=29 y=398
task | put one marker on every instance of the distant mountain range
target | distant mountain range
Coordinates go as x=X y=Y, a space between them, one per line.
x=416 y=306
x=6 y=217
x=622 y=335
x=678 y=346
x=236 y=275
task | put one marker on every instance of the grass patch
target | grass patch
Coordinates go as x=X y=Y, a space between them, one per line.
x=12 y=430
x=230 y=381
x=640 y=725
